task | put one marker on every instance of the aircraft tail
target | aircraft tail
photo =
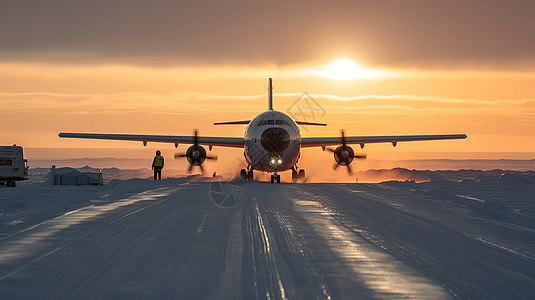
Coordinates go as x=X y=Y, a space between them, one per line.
x=270 y=96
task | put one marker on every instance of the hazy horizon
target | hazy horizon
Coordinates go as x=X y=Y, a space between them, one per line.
x=136 y=151
x=313 y=160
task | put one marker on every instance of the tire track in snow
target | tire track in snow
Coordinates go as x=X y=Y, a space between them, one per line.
x=267 y=281
x=269 y=220
x=16 y=247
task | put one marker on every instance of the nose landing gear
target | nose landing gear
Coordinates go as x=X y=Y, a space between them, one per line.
x=275 y=177
x=297 y=175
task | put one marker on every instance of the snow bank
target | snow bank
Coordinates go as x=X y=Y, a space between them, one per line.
x=401 y=174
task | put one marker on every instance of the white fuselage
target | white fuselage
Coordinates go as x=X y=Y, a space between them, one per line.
x=272 y=136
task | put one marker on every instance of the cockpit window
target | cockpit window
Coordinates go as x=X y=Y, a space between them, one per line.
x=273 y=122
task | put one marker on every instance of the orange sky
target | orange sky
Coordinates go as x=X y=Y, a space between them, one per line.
x=159 y=77
x=496 y=110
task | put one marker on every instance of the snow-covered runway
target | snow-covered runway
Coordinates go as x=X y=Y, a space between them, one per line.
x=192 y=240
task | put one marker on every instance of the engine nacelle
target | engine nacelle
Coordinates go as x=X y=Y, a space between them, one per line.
x=196 y=154
x=344 y=155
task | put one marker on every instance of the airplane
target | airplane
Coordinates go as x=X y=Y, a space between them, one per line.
x=272 y=143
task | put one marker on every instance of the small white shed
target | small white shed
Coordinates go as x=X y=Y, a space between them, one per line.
x=71 y=176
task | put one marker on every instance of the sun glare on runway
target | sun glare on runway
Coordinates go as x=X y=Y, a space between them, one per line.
x=344 y=69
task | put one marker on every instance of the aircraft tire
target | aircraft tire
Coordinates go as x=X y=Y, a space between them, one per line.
x=295 y=176
x=301 y=175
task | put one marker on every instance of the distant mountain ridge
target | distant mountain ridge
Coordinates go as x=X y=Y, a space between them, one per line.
x=373 y=175
x=402 y=174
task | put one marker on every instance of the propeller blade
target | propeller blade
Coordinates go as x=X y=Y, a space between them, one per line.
x=211 y=157
x=349 y=170
x=361 y=155
x=177 y=155
x=332 y=150
x=335 y=166
x=342 y=132
x=202 y=168
x=190 y=168
x=195 y=139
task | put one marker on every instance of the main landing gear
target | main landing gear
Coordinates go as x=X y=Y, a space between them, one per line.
x=246 y=175
x=297 y=175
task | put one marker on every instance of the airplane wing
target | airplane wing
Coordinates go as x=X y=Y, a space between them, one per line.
x=362 y=140
x=233 y=123
x=203 y=140
x=310 y=123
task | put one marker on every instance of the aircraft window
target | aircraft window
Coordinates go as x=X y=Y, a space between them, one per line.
x=278 y=122
x=271 y=122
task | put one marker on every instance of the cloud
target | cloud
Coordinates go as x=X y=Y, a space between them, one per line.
x=428 y=99
x=200 y=102
x=39 y=116
x=131 y=102
x=416 y=33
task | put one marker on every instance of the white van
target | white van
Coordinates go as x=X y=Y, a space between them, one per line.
x=13 y=166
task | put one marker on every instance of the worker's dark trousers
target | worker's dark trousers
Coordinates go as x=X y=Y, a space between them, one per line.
x=157 y=173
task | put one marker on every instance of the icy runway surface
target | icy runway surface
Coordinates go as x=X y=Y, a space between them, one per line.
x=178 y=239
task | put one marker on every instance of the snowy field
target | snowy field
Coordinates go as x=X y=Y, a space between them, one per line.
x=190 y=238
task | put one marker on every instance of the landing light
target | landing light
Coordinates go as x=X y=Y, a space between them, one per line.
x=276 y=161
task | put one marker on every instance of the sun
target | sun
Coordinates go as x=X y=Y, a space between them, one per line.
x=344 y=69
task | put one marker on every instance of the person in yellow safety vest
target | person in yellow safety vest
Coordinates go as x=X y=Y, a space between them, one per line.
x=157 y=165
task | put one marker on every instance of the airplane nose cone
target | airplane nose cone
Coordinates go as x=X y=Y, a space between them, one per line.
x=275 y=139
